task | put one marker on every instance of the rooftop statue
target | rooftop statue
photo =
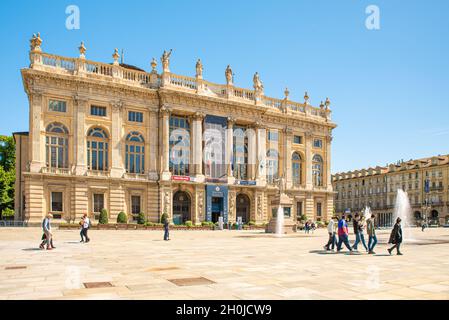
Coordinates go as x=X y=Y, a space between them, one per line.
x=199 y=69
x=228 y=74
x=258 y=86
x=166 y=61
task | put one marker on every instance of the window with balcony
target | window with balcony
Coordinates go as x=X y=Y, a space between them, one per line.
x=272 y=165
x=179 y=146
x=240 y=153
x=57 y=146
x=317 y=170
x=135 y=153
x=97 y=150
x=296 y=169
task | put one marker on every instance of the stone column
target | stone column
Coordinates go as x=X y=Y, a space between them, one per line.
x=252 y=152
x=288 y=132
x=199 y=205
x=165 y=143
x=197 y=145
x=328 y=163
x=309 y=181
x=117 y=168
x=153 y=146
x=230 y=149
x=37 y=138
x=79 y=141
x=261 y=155
x=232 y=195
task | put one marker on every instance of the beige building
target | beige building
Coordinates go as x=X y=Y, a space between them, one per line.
x=425 y=180
x=116 y=137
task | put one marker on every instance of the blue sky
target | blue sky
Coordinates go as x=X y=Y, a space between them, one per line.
x=389 y=88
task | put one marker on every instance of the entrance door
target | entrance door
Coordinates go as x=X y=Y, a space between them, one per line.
x=242 y=209
x=217 y=208
x=181 y=207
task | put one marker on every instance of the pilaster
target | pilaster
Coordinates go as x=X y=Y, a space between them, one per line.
x=117 y=169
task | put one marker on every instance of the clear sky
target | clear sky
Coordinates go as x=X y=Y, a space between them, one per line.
x=389 y=88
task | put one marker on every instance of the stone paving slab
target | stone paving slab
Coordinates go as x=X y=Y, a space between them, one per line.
x=242 y=265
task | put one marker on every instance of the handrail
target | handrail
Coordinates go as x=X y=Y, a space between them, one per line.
x=82 y=66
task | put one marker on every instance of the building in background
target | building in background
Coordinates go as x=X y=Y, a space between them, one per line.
x=116 y=137
x=425 y=180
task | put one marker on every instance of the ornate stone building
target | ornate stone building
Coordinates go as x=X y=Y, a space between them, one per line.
x=116 y=137
x=425 y=180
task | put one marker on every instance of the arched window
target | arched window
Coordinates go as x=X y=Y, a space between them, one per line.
x=57 y=146
x=296 y=169
x=317 y=170
x=97 y=150
x=272 y=165
x=135 y=153
x=240 y=154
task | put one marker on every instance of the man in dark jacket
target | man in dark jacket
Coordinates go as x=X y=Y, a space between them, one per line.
x=396 y=237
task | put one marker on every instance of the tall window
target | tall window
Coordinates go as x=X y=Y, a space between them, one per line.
x=98 y=202
x=135 y=153
x=296 y=169
x=97 y=150
x=135 y=205
x=56 y=202
x=179 y=146
x=318 y=209
x=317 y=170
x=272 y=165
x=57 y=146
x=240 y=153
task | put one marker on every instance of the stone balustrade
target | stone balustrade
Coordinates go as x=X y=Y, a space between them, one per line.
x=117 y=73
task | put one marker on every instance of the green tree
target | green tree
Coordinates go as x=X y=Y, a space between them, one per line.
x=7 y=153
x=7 y=174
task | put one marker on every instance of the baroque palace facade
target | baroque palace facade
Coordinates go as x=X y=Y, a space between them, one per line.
x=426 y=182
x=116 y=137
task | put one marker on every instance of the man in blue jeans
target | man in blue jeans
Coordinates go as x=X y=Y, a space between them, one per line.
x=343 y=233
x=358 y=231
x=371 y=230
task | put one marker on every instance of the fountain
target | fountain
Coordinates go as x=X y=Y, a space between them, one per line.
x=280 y=221
x=402 y=209
x=280 y=224
x=367 y=213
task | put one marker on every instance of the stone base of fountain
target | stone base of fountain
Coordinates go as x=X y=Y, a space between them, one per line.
x=288 y=227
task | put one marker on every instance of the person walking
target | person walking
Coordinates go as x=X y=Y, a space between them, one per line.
x=166 y=230
x=85 y=228
x=424 y=225
x=358 y=231
x=306 y=227
x=371 y=230
x=46 y=228
x=343 y=234
x=396 y=237
x=331 y=230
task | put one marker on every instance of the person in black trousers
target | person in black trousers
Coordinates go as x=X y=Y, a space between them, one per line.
x=396 y=237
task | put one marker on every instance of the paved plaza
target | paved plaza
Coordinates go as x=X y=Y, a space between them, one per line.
x=218 y=265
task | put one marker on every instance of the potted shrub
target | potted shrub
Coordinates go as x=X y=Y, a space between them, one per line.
x=122 y=218
x=103 y=217
x=141 y=219
x=189 y=224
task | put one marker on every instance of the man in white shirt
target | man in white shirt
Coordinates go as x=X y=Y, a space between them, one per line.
x=331 y=230
x=86 y=225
